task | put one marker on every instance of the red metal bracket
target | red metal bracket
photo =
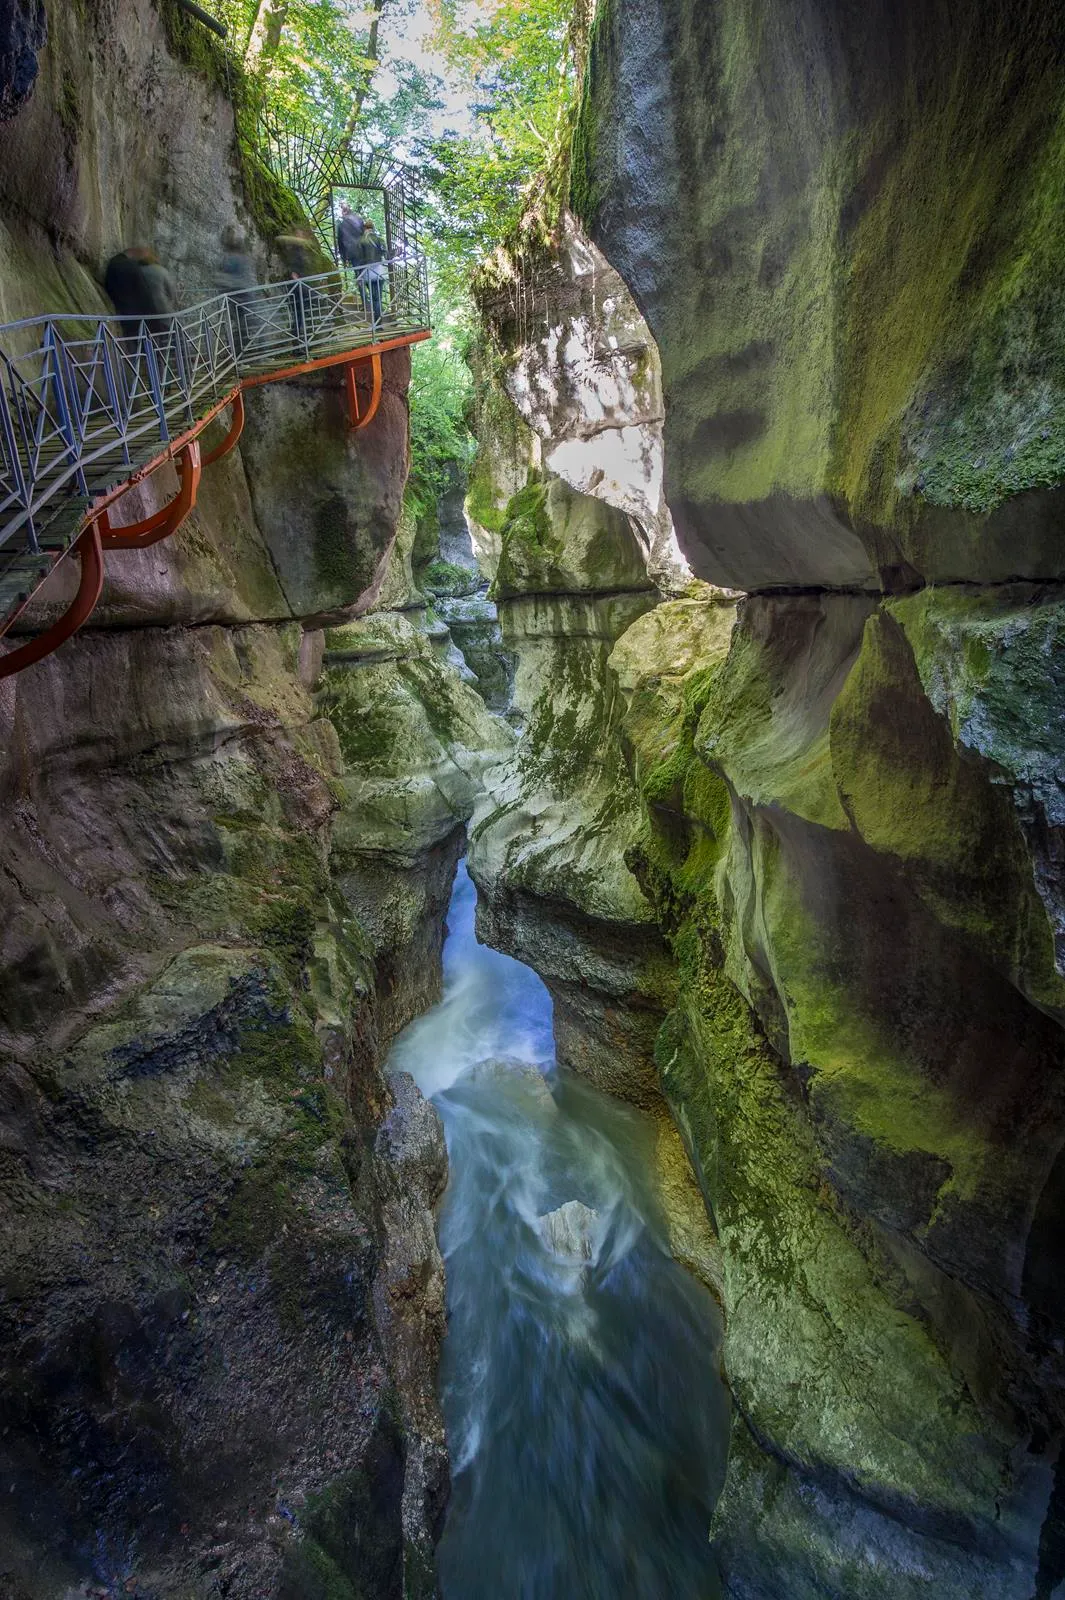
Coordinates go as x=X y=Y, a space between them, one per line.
x=359 y=414
x=98 y=535
x=78 y=612
x=236 y=428
x=153 y=529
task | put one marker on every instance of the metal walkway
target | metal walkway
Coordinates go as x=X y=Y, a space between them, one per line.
x=91 y=406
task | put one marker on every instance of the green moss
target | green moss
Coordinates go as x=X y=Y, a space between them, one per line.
x=954 y=295
x=585 y=188
x=426 y=546
x=334 y=558
x=483 y=501
x=446 y=579
x=913 y=795
x=366 y=732
x=69 y=107
x=273 y=208
x=202 y=50
x=351 y=1545
x=264 y=1200
x=438 y=694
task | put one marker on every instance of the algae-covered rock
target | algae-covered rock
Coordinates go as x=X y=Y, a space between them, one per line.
x=871 y=1158
x=192 y=1202
x=219 y=1287
x=555 y=541
x=549 y=837
x=842 y=227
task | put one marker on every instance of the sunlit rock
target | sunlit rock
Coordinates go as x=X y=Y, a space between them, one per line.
x=569 y=1232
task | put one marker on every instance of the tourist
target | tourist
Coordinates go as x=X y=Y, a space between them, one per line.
x=235 y=268
x=236 y=276
x=372 y=270
x=139 y=287
x=298 y=252
x=349 y=236
x=160 y=287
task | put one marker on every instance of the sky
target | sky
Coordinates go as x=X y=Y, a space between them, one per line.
x=407 y=32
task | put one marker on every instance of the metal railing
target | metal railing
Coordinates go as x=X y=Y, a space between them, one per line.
x=86 y=401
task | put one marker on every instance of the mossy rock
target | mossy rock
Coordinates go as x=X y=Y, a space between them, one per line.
x=445 y=579
x=557 y=541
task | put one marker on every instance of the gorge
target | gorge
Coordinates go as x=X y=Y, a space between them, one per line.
x=755 y=752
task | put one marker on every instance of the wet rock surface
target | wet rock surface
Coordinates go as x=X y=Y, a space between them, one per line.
x=834 y=802
x=569 y=1231
x=220 y=1292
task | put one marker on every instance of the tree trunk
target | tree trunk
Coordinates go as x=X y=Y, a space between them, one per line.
x=363 y=89
x=265 y=37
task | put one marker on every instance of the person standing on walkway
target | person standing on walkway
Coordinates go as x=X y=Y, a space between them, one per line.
x=159 y=285
x=139 y=287
x=297 y=251
x=372 y=271
x=349 y=235
x=236 y=276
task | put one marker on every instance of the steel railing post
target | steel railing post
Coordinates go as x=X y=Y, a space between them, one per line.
x=53 y=352
x=113 y=395
x=7 y=428
x=232 y=313
x=158 y=398
x=177 y=334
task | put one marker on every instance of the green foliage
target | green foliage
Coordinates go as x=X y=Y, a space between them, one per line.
x=439 y=435
x=316 y=61
x=504 y=184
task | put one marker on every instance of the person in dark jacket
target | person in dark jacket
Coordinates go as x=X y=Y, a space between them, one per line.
x=372 y=270
x=160 y=288
x=235 y=269
x=349 y=235
x=138 y=287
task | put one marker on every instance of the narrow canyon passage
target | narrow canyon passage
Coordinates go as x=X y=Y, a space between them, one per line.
x=586 y=1422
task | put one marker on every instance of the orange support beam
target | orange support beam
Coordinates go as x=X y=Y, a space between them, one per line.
x=97 y=533
x=153 y=529
x=236 y=428
x=359 y=415
x=78 y=612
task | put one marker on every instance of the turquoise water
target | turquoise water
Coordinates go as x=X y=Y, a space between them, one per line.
x=586 y=1420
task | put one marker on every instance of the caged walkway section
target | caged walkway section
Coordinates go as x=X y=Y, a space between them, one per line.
x=91 y=406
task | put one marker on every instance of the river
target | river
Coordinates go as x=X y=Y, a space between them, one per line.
x=586 y=1420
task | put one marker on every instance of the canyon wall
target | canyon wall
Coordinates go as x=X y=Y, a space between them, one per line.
x=232 y=810
x=822 y=818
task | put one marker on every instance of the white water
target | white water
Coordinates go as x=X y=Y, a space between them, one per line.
x=586 y=1420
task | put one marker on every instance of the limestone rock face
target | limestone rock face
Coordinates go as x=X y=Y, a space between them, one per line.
x=23 y=30
x=834 y=857
x=416 y=743
x=220 y=1293
x=549 y=836
x=585 y=377
x=191 y=1200
x=855 y=1121
x=838 y=225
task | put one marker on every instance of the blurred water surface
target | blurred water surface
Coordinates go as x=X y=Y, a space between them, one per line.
x=586 y=1420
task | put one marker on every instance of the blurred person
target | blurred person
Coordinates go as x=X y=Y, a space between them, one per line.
x=139 y=287
x=235 y=275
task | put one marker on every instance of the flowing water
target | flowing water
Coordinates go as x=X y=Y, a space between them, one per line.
x=585 y=1417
